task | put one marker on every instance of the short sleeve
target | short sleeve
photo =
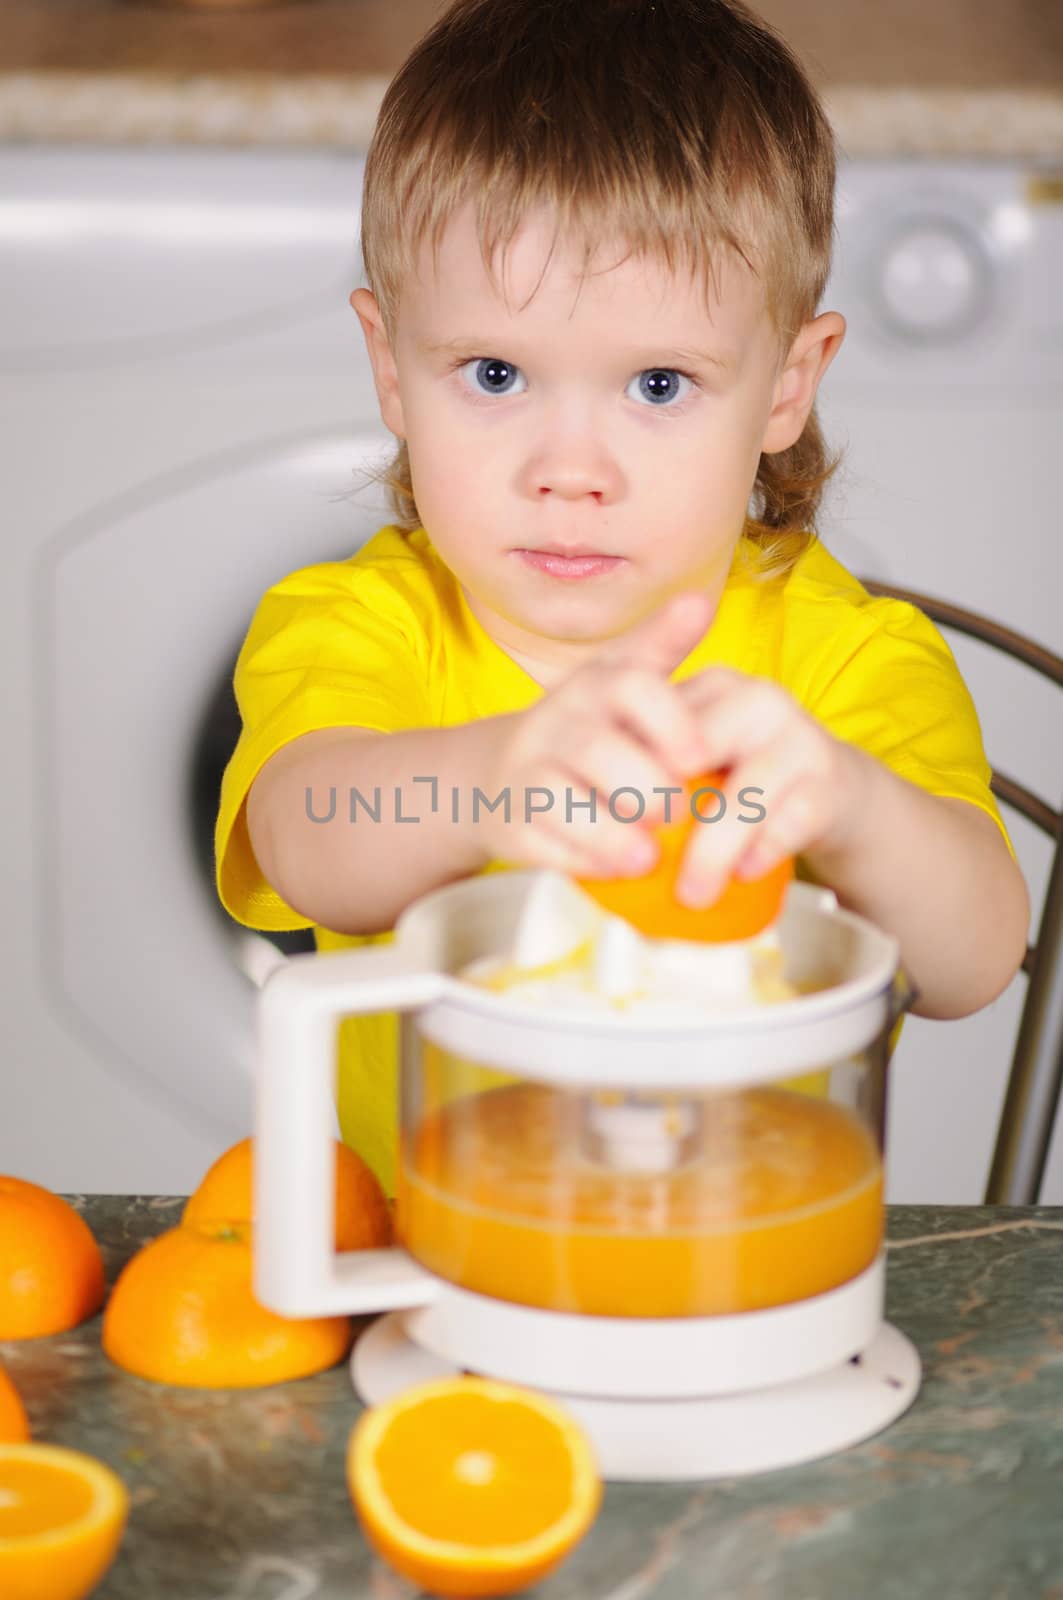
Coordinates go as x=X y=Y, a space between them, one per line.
x=329 y=646
x=899 y=694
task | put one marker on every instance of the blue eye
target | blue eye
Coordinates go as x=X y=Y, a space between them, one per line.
x=659 y=385
x=495 y=374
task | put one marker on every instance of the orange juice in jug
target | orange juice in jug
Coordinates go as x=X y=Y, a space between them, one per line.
x=775 y=1196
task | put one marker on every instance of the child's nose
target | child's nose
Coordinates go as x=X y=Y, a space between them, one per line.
x=572 y=470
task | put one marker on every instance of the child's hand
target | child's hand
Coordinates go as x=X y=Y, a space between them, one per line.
x=614 y=723
x=807 y=782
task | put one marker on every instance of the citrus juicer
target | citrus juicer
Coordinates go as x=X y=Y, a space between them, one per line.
x=626 y=1178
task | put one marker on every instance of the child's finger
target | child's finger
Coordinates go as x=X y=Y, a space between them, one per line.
x=797 y=822
x=710 y=685
x=542 y=848
x=661 y=641
x=626 y=781
x=716 y=848
x=590 y=855
x=558 y=806
x=668 y=725
x=743 y=718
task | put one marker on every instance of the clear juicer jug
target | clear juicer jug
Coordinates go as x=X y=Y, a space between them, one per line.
x=675 y=1226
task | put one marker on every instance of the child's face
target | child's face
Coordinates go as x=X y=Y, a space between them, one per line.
x=582 y=424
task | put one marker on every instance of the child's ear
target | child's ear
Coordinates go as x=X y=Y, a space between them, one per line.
x=810 y=355
x=385 y=373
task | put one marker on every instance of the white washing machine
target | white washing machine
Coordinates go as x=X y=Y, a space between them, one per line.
x=188 y=407
x=186 y=404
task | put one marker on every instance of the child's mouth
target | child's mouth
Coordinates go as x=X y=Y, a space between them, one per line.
x=559 y=566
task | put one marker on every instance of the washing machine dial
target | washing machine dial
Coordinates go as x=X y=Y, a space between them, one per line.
x=932 y=280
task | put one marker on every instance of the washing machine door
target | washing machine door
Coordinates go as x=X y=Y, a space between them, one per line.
x=143 y=604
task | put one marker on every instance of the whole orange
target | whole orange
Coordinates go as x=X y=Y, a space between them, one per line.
x=14 y=1424
x=363 y=1218
x=51 y=1270
x=649 y=903
x=183 y=1312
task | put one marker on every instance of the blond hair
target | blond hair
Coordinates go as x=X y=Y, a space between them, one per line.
x=678 y=126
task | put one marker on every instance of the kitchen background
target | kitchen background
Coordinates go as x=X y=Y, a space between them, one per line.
x=187 y=411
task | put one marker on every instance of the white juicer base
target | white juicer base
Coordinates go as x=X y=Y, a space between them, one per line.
x=722 y=1436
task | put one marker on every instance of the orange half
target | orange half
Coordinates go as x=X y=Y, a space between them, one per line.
x=470 y=1487
x=649 y=902
x=226 y=1193
x=62 y=1516
x=184 y=1312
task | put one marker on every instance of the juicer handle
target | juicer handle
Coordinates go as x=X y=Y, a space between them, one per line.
x=297 y=1271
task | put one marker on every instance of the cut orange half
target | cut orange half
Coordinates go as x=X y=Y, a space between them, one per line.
x=184 y=1312
x=470 y=1487
x=363 y=1220
x=744 y=907
x=62 y=1515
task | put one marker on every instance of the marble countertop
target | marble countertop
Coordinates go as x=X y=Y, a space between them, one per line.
x=240 y=1495
x=956 y=78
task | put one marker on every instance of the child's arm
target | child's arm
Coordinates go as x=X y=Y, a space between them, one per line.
x=357 y=877
x=937 y=874
x=933 y=871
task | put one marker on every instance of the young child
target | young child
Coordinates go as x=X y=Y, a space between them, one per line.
x=596 y=237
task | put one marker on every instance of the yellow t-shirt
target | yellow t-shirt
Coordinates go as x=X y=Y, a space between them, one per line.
x=386 y=640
